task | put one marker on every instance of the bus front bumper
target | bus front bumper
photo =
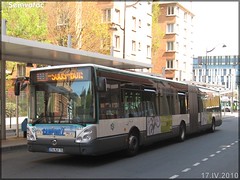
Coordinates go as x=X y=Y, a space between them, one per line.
x=67 y=146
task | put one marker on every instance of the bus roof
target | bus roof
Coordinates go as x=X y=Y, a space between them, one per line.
x=133 y=73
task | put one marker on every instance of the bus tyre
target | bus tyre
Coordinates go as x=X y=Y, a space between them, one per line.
x=133 y=144
x=213 y=126
x=182 y=132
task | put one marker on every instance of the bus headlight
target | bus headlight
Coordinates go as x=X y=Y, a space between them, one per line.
x=31 y=133
x=86 y=135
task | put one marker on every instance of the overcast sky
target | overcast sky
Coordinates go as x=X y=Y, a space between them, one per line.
x=216 y=23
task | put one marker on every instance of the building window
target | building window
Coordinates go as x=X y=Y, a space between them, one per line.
x=170 y=64
x=177 y=11
x=148 y=51
x=117 y=42
x=134 y=23
x=107 y=15
x=170 y=28
x=176 y=64
x=118 y=15
x=149 y=30
x=134 y=46
x=170 y=10
x=185 y=17
x=63 y=20
x=139 y=46
x=21 y=70
x=224 y=72
x=170 y=46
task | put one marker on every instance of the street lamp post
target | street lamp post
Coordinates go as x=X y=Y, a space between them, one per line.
x=206 y=61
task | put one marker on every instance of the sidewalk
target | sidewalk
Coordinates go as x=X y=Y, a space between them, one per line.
x=13 y=142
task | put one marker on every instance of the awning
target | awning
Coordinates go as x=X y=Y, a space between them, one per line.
x=22 y=50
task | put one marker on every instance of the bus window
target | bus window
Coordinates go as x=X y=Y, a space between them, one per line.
x=109 y=101
x=164 y=106
x=171 y=103
x=132 y=104
x=182 y=102
x=200 y=104
x=149 y=102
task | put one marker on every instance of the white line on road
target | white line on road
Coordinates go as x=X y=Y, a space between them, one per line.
x=218 y=152
x=223 y=149
x=186 y=170
x=196 y=164
x=212 y=155
x=205 y=159
x=174 y=176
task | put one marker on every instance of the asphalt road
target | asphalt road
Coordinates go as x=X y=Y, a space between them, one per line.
x=204 y=155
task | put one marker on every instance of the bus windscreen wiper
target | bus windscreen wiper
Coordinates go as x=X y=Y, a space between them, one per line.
x=38 y=120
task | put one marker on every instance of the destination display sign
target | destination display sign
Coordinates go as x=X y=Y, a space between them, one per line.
x=48 y=76
x=62 y=75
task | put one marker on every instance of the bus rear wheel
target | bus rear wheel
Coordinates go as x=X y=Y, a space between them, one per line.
x=213 y=126
x=133 y=144
x=182 y=132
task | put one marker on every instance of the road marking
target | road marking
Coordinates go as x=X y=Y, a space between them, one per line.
x=196 y=164
x=186 y=170
x=212 y=155
x=224 y=147
x=174 y=176
x=205 y=159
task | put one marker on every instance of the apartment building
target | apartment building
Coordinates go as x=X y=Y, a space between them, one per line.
x=131 y=28
x=174 y=58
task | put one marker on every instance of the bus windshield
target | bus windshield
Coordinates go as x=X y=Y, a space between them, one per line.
x=67 y=97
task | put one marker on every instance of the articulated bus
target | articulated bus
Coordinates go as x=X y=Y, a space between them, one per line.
x=89 y=109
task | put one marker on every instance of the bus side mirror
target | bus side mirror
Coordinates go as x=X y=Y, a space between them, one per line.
x=17 y=88
x=23 y=86
x=20 y=84
x=102 y=84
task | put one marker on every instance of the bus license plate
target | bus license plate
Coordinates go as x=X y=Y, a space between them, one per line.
x=59 y=150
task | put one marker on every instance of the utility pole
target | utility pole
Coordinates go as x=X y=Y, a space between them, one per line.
x=2 y=89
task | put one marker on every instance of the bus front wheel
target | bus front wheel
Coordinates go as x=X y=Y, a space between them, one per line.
x=133 y=144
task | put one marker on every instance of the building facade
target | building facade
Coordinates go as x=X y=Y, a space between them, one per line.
x=218 y=72
x=174 y=58
x=131 y=28
x=127 y=31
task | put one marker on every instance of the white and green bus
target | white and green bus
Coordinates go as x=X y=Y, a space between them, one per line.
x=90 y=109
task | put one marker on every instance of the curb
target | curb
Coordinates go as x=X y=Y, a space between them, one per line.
x=14 y=147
